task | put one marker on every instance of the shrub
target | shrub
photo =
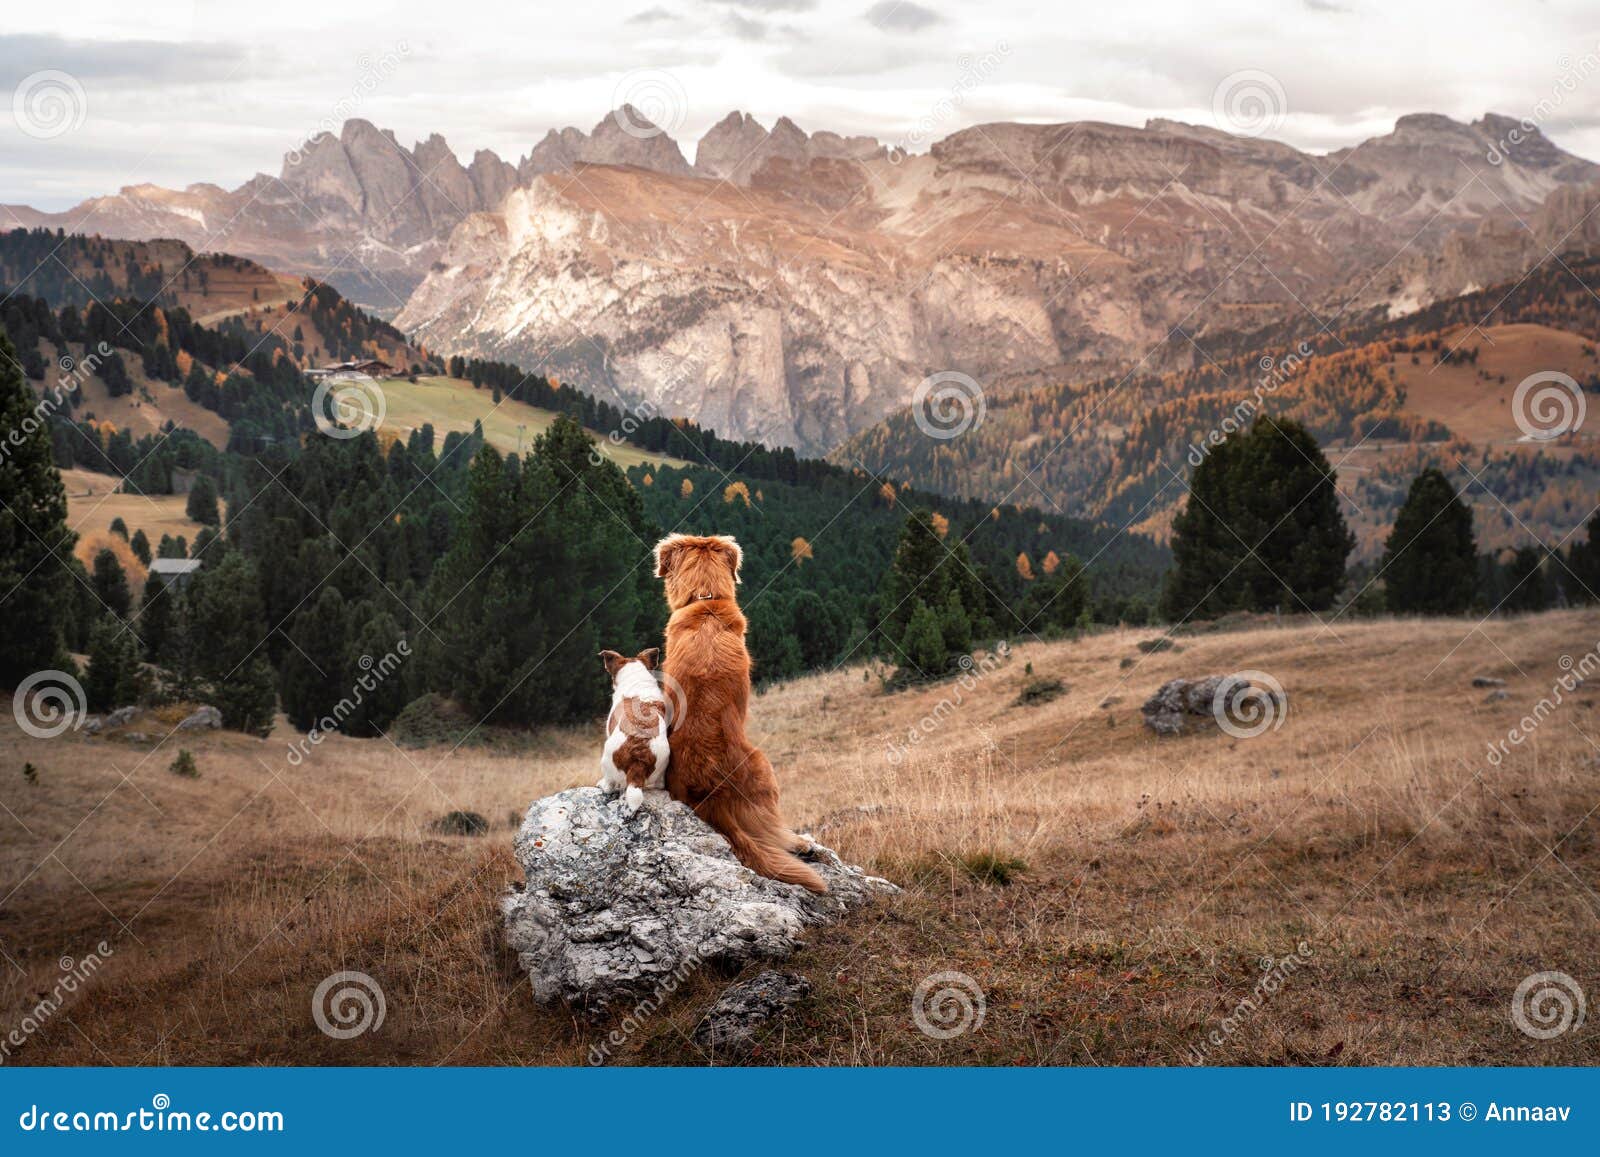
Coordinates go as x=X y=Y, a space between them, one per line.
x=991 y=868
x=1039 y=691
x=461 y=824
x=184 y=765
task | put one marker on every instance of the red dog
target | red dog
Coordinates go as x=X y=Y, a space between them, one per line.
x=714 y=768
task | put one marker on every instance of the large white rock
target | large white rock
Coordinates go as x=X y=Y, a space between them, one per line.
x=616 y=908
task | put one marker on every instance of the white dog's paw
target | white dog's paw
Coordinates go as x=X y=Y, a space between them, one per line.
x=632 y=799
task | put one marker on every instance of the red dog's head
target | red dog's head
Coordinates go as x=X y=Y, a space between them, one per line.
x=698 y=567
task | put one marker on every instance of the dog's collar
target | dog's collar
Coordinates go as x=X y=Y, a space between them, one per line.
x=704 y=598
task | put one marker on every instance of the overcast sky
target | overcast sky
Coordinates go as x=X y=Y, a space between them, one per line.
x=173 y=93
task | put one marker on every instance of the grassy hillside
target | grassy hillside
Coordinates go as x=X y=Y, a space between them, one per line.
x=1384 y=398
x=1111 y=893
x=451 y=404
x=72 y=269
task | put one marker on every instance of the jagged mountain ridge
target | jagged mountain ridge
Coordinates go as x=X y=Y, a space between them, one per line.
x=795 y=288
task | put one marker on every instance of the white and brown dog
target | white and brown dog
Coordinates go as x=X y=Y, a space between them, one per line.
x=636 y=751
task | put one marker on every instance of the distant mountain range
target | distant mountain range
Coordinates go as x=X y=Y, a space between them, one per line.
x=795 y=288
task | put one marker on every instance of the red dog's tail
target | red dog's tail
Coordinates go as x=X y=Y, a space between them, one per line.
x=758 y=838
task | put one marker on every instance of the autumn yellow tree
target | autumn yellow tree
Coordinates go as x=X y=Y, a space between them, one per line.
x=1050 y=563
x=940 y=524
x=736 y=490
x=1025 y=567
x=888 y=493
x=800 y=550
x=686 y=489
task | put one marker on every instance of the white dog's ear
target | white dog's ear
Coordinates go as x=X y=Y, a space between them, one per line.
x=731 y=551
x=613 y=661
x=667 y=550
x=650 y=658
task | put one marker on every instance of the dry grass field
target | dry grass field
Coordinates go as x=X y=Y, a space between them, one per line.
x=452 y=404
x=1112 y=894
x=93 y=504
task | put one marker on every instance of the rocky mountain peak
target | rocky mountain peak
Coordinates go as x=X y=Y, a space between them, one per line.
x=737 y=147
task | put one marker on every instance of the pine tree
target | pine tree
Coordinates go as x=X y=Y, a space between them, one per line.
x=224 y=633
x=315 y=675
x=1525 y=582
x=111 y=584
x=1430 y=561
x=141 y=547
x=35 y=544
x=1262 y=529
x=154 y=623
x=548 y=566
x=379 y=689
x=202 y=504
x=1583 y=565
x=922 y=645
x=114 y=677
x=1055 y=604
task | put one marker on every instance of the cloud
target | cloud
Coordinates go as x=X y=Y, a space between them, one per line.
x=152 y=62
x=745 y=28
x=901 y=16
x=657 y=15
x=771 y=5
x=1325 y=6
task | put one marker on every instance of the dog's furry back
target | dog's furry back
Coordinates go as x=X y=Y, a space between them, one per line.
x=714 y=768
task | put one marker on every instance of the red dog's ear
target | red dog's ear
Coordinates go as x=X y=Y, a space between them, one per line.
x=666 y=551
x=650 y=658
x=730 y=551
x=613 y=661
